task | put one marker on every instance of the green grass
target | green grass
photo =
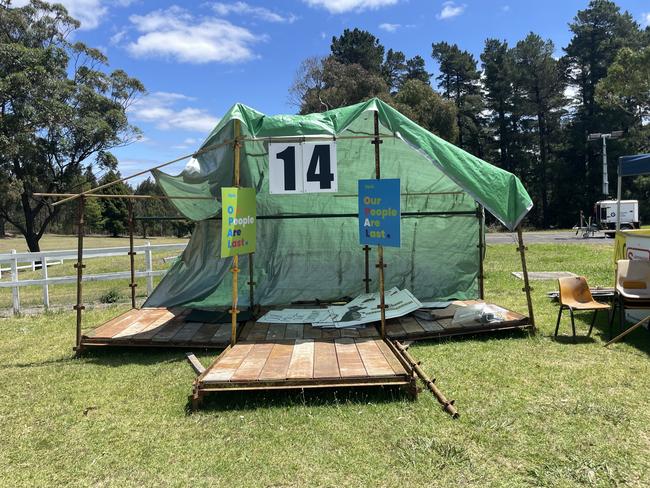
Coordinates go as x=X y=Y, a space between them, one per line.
x=534 y=411
x=65 y=294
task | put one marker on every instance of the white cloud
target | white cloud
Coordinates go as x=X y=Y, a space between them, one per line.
x=389 y=27
x=161 y=109
x=341 y=6
x=117 y=37
x=450 y=10
x=243 y=8
x=645 y=19
x=175 y=33
x=88 y=12
x=505 y=8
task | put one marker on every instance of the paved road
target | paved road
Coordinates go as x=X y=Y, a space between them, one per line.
x=560 y=237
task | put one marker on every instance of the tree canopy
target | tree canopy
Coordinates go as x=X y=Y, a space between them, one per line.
x=520 y=106
x=59 y=109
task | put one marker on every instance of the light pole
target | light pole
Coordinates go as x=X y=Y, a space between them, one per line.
x=594 y=137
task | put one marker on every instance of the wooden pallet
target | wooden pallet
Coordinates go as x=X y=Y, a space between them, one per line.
x=304 y=363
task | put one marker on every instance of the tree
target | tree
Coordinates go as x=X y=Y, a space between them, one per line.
x=459 y=80
x=415 y=70
x=419 y=102
x=58 y=110
x=499 y=80
x=358 y=47
x=394 y=69
x=153 y=208
x=542 y=81
x=115 y=211
x=599 y=32
x=330 y=84
x=627 y=84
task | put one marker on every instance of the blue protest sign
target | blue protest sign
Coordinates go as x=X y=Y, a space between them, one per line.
x=379 y=212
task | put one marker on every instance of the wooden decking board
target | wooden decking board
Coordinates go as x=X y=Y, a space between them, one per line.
x=169 y=330
x=276 y=332
x=205 y=333
x=144 y=320
x=349 y=332
x=390 y=358
x=373 y=358
x=350 y=363
x=410 y=325
x=250 y=368
x=186 y=332
x=368 y=331
x=258 y=332
x=229 y=363
x=277 y=364
x=326 y=364
x=243 y=334
x=114 y=326
x=154 y=327
x=394 y=328
x=222 y=334
x=331 y=333
x=430 y=325
x=302 y=359
x=310 y=332
x=294 y=331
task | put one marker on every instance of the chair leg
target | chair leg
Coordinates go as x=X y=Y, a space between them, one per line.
x=621 y=315
x=559 y=316
x=573 y=324
x=593 y=321
x=611 y=317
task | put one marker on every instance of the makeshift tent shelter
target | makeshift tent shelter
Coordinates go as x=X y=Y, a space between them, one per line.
x=307 y=244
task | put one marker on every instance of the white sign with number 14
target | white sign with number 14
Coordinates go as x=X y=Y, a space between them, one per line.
x=302 y=168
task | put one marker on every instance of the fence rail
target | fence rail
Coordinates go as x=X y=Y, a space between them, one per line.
x=42 y=258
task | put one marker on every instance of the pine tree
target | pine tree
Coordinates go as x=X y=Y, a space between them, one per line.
x=459 y=80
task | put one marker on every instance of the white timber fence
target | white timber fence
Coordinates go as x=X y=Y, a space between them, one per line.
x=44 y=259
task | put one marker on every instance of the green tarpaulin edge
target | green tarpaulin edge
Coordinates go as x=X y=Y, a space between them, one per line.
x=499 y=191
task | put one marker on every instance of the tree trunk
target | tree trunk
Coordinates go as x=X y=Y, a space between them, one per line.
x=503 y=140
x=3 y=231
x=541 y=125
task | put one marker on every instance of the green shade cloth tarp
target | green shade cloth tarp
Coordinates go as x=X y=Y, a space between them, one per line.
x=306 y=259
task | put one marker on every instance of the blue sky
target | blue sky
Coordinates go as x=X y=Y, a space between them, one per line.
x=198 y=58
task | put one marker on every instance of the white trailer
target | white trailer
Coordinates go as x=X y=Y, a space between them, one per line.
x=606 y=215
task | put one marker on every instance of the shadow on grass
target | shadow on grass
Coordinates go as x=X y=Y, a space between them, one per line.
x=476 y=337
x=314 y=397
x=115 y=356
x=639 y=339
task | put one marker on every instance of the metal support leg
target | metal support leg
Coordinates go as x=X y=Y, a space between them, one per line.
x=559 y=316
x=621 y=314
x=573 y=324
x=612 y=314
x=593 y=321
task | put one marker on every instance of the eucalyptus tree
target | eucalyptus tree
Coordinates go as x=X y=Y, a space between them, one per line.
x=59 y=110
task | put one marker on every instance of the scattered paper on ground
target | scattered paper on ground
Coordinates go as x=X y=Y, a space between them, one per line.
x=436 y=304
x=360 y=311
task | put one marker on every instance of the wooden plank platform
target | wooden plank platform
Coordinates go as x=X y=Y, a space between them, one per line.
x=158 y=327
x=162 y=327
x=415 y=327
x=303 y=363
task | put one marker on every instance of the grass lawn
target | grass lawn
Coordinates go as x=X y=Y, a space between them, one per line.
x=61 y=295
x=534 y=411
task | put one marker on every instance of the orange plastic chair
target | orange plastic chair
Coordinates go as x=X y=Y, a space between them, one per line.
x=575 y=295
